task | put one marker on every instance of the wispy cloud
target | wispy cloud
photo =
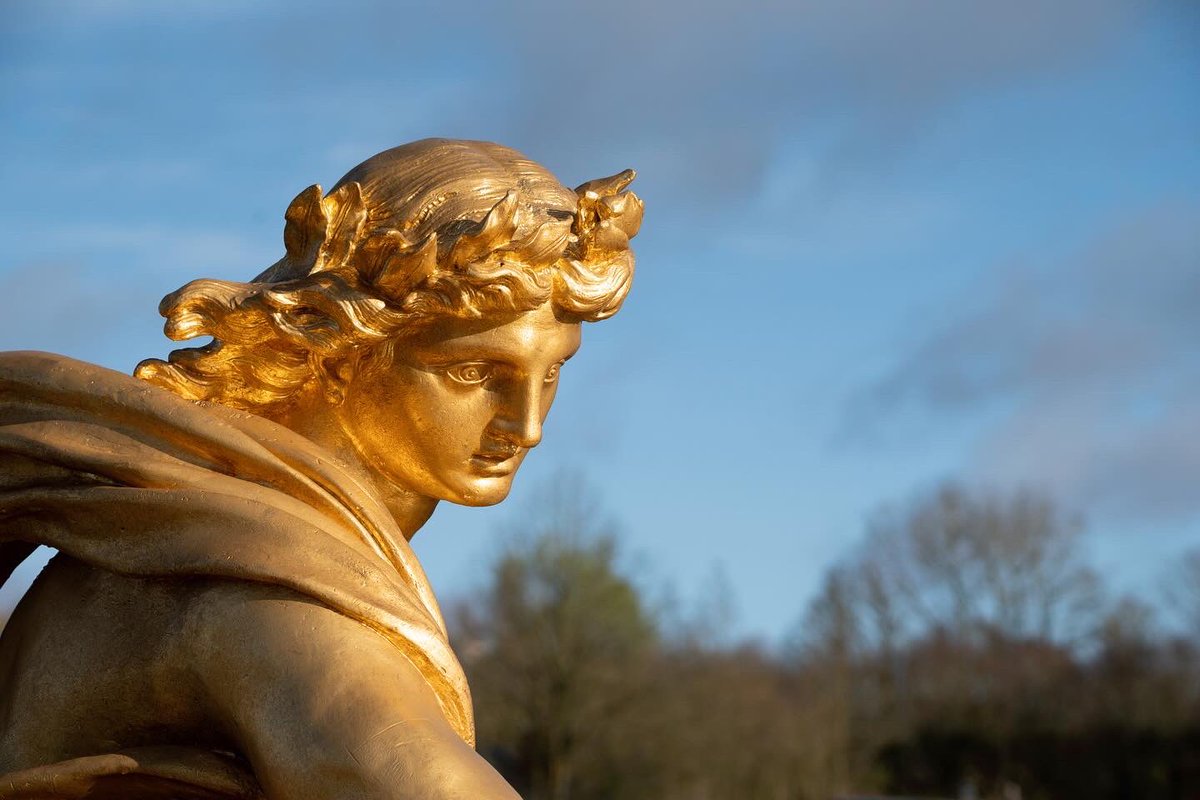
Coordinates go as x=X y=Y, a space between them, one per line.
x=1088 y=371
x=702 y=95
x=716 y=87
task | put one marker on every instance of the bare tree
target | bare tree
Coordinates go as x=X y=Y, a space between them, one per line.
x=970 y=562
x=1182 y=591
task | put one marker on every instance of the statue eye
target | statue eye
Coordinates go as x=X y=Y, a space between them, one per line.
x=470 y=374
x=552 y=373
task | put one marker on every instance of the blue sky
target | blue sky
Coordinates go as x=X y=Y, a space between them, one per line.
x=887 y=243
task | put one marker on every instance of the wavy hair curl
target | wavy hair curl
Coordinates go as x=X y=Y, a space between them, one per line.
x=423 y=231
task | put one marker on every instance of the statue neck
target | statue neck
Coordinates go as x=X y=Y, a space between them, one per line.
x=311 y=416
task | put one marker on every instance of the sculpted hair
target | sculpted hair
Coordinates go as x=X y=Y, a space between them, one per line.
x=427 y=230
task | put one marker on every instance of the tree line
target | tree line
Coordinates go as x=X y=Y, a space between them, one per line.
x=965 y=650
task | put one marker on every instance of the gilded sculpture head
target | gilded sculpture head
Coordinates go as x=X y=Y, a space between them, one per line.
x=417 y=258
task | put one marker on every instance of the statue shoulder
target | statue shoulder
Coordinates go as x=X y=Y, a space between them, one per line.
x=322 y=705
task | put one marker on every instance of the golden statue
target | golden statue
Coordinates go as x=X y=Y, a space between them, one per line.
x=235 y=610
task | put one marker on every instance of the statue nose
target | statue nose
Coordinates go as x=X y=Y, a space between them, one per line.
x=520 y=421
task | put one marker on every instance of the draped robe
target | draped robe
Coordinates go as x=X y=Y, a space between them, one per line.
x=130 y=478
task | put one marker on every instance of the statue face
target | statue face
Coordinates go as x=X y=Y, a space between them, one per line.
x=462 y=403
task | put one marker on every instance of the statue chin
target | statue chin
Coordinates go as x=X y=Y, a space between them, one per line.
x=235 y=610
x=486 y=495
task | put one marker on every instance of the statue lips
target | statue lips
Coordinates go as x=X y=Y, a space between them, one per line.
x=497 y=463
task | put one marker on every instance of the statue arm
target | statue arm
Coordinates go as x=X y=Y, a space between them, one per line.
x=325 y=708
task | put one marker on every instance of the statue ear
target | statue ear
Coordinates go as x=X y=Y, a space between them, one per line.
x=334 y=375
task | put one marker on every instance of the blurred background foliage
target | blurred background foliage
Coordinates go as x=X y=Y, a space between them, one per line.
x=966 y=650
